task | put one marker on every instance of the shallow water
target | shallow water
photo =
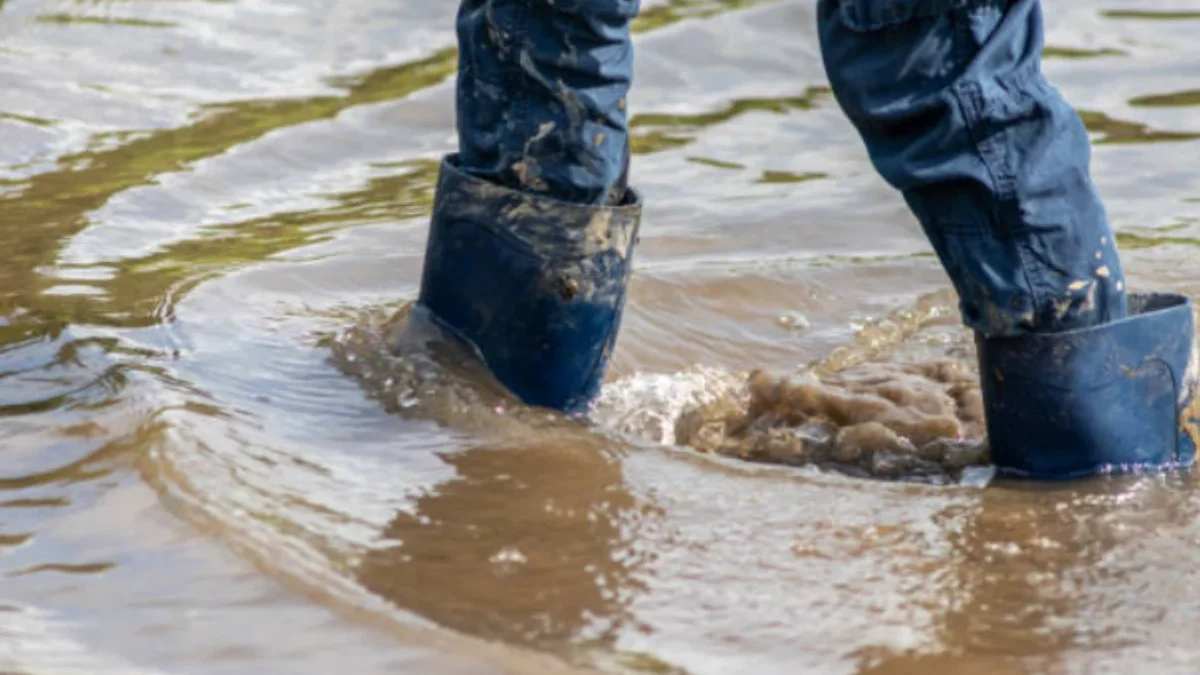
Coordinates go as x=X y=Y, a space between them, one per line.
x=198 y=199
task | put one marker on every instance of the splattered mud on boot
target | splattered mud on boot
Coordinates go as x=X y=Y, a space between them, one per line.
x=911 y=422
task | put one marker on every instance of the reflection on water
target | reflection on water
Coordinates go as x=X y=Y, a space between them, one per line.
x=212 y=217
x=103 y=20
x=654 y=132
x=1051 y=52
x=1152 y=15
x=1029 y=598
x=528 y=544
x=1174 y=99
x=662 y=14
x=1110 y=130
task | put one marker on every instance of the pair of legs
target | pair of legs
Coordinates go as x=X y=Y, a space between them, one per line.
x=947 y=95
x=949 y=99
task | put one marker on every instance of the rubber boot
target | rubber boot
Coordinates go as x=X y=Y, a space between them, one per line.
x=1108 y=399
x=534 y=285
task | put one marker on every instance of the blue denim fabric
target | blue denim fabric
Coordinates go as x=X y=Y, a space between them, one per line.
x=949 y=97
x=542 y=95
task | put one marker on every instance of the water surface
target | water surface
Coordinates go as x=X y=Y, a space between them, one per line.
x=199 y=198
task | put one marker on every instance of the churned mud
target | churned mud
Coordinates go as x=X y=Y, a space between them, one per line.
x=920 y=421
x=900 y=401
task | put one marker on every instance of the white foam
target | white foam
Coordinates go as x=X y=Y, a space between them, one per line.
x=648 y=404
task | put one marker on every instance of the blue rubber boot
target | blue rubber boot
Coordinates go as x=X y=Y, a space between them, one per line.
x=1112 y=398
x=535 y=285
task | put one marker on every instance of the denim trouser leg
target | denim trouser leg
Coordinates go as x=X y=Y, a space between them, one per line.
x=949 y=98
x=542 y=89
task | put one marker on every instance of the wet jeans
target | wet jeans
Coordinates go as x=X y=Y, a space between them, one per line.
x=947 y=95
x=542 y=88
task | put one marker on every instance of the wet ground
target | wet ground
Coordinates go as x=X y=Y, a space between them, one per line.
x=208 y=207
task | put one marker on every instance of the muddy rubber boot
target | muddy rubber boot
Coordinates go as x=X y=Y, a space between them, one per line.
x=1108 y=399
x=536 y=286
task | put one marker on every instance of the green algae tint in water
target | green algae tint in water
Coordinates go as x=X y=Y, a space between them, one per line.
x=199 y=199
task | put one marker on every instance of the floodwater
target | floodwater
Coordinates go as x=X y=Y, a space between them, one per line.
x=210 y=211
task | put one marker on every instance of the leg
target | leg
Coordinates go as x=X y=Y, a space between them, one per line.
x=949 y=98
x=533 y=228
x=542 y=94
x=955 y=113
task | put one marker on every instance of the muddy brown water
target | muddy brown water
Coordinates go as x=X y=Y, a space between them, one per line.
x=210 y=213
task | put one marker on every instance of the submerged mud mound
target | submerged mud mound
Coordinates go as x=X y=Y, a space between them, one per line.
x=894 y=421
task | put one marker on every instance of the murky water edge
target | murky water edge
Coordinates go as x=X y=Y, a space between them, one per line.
x=199 y=199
